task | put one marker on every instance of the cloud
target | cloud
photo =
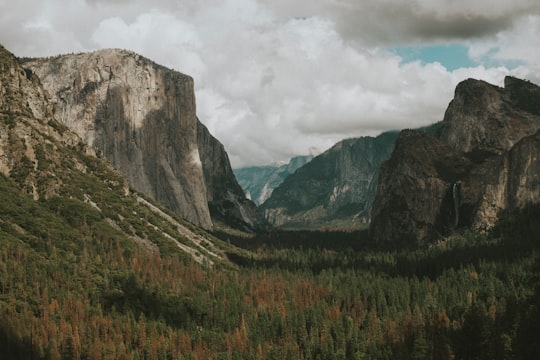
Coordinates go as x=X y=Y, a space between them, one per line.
x=176 y=43
x=275 y=78
x=520 y=43
x=393 y=21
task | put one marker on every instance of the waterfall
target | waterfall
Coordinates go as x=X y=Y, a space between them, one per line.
x=455 y=196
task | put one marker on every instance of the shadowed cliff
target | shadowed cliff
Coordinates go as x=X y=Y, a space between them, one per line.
x=484 y=161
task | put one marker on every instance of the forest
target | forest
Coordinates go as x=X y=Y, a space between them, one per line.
x=73 y=288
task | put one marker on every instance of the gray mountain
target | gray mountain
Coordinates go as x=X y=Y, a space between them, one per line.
x=483 y=162
x=335 y=189
x=226 y=199
x=258 y=182
x=56 y=191
x=142 y=117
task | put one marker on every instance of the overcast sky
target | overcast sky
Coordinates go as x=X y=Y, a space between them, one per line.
x=275 y=78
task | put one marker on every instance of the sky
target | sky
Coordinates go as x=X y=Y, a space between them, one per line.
x=279 y=78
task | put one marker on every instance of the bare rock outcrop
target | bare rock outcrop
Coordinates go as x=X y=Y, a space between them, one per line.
x=226 y=199
x=486 y=117
x=415 y=195
x=140 y=115
x=484 y=161
x=29 y=133
x=335 y=189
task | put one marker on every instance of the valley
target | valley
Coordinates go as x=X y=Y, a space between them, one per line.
x=124 y=234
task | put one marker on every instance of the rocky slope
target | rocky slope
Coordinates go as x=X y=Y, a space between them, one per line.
x=142 y=117
x=258 y=182
x=483 y=161
x=335 y=189
x=75 y=193
x=226 y=199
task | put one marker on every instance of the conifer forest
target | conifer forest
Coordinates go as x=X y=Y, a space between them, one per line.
x=72 y=288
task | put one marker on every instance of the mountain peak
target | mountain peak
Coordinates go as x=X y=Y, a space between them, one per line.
x=486 y=117
x=524 y=94
x=142 y=117
x=483 y=161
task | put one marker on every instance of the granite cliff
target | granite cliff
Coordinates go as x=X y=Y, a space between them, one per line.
x=335 y=189
x=484 y=160
x=142 y=117
x=226 y=199
x=57 y=191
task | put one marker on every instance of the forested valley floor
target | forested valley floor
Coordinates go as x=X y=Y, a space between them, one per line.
x=69 y=290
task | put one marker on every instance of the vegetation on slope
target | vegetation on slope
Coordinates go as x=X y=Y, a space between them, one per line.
x=73 y=286
x=90 y=270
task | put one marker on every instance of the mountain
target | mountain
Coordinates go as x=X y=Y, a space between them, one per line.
x=91 y=269
x=78 y=246
x=335 y=189
x=226 y=199
x=142 y=117
x=56 y=188
x=258 y=182
x=484 y=161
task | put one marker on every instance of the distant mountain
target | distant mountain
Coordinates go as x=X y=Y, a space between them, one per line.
x=258 y=182
x=141 y=116
x=335 y=189
x=483 y=162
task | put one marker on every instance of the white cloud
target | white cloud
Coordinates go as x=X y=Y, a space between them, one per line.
x=274 y=78
x=174 y=42
x=521 y=43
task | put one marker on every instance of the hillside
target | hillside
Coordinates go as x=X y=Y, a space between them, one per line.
x=71 y=228
x=43 y=159
x=335 y=189
x=91 y=269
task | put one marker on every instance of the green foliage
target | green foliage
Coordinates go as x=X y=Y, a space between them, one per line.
x=72 y=285
x=22 y=169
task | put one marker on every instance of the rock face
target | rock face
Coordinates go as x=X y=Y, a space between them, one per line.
x=226 y=199
x=28 y=131
x=414 y=184
x=334 y=190
x=142 y=117
x=259 y=182
x=81 y=195
x=483 y=161
x=485 y=117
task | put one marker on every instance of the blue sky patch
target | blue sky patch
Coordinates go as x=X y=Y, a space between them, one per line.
x=451 y=56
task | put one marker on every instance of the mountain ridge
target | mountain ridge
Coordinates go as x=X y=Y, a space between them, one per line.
x=142 y=117
x=482 y=162
x=345 y=181
x=72 y=183
x=333 y=189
